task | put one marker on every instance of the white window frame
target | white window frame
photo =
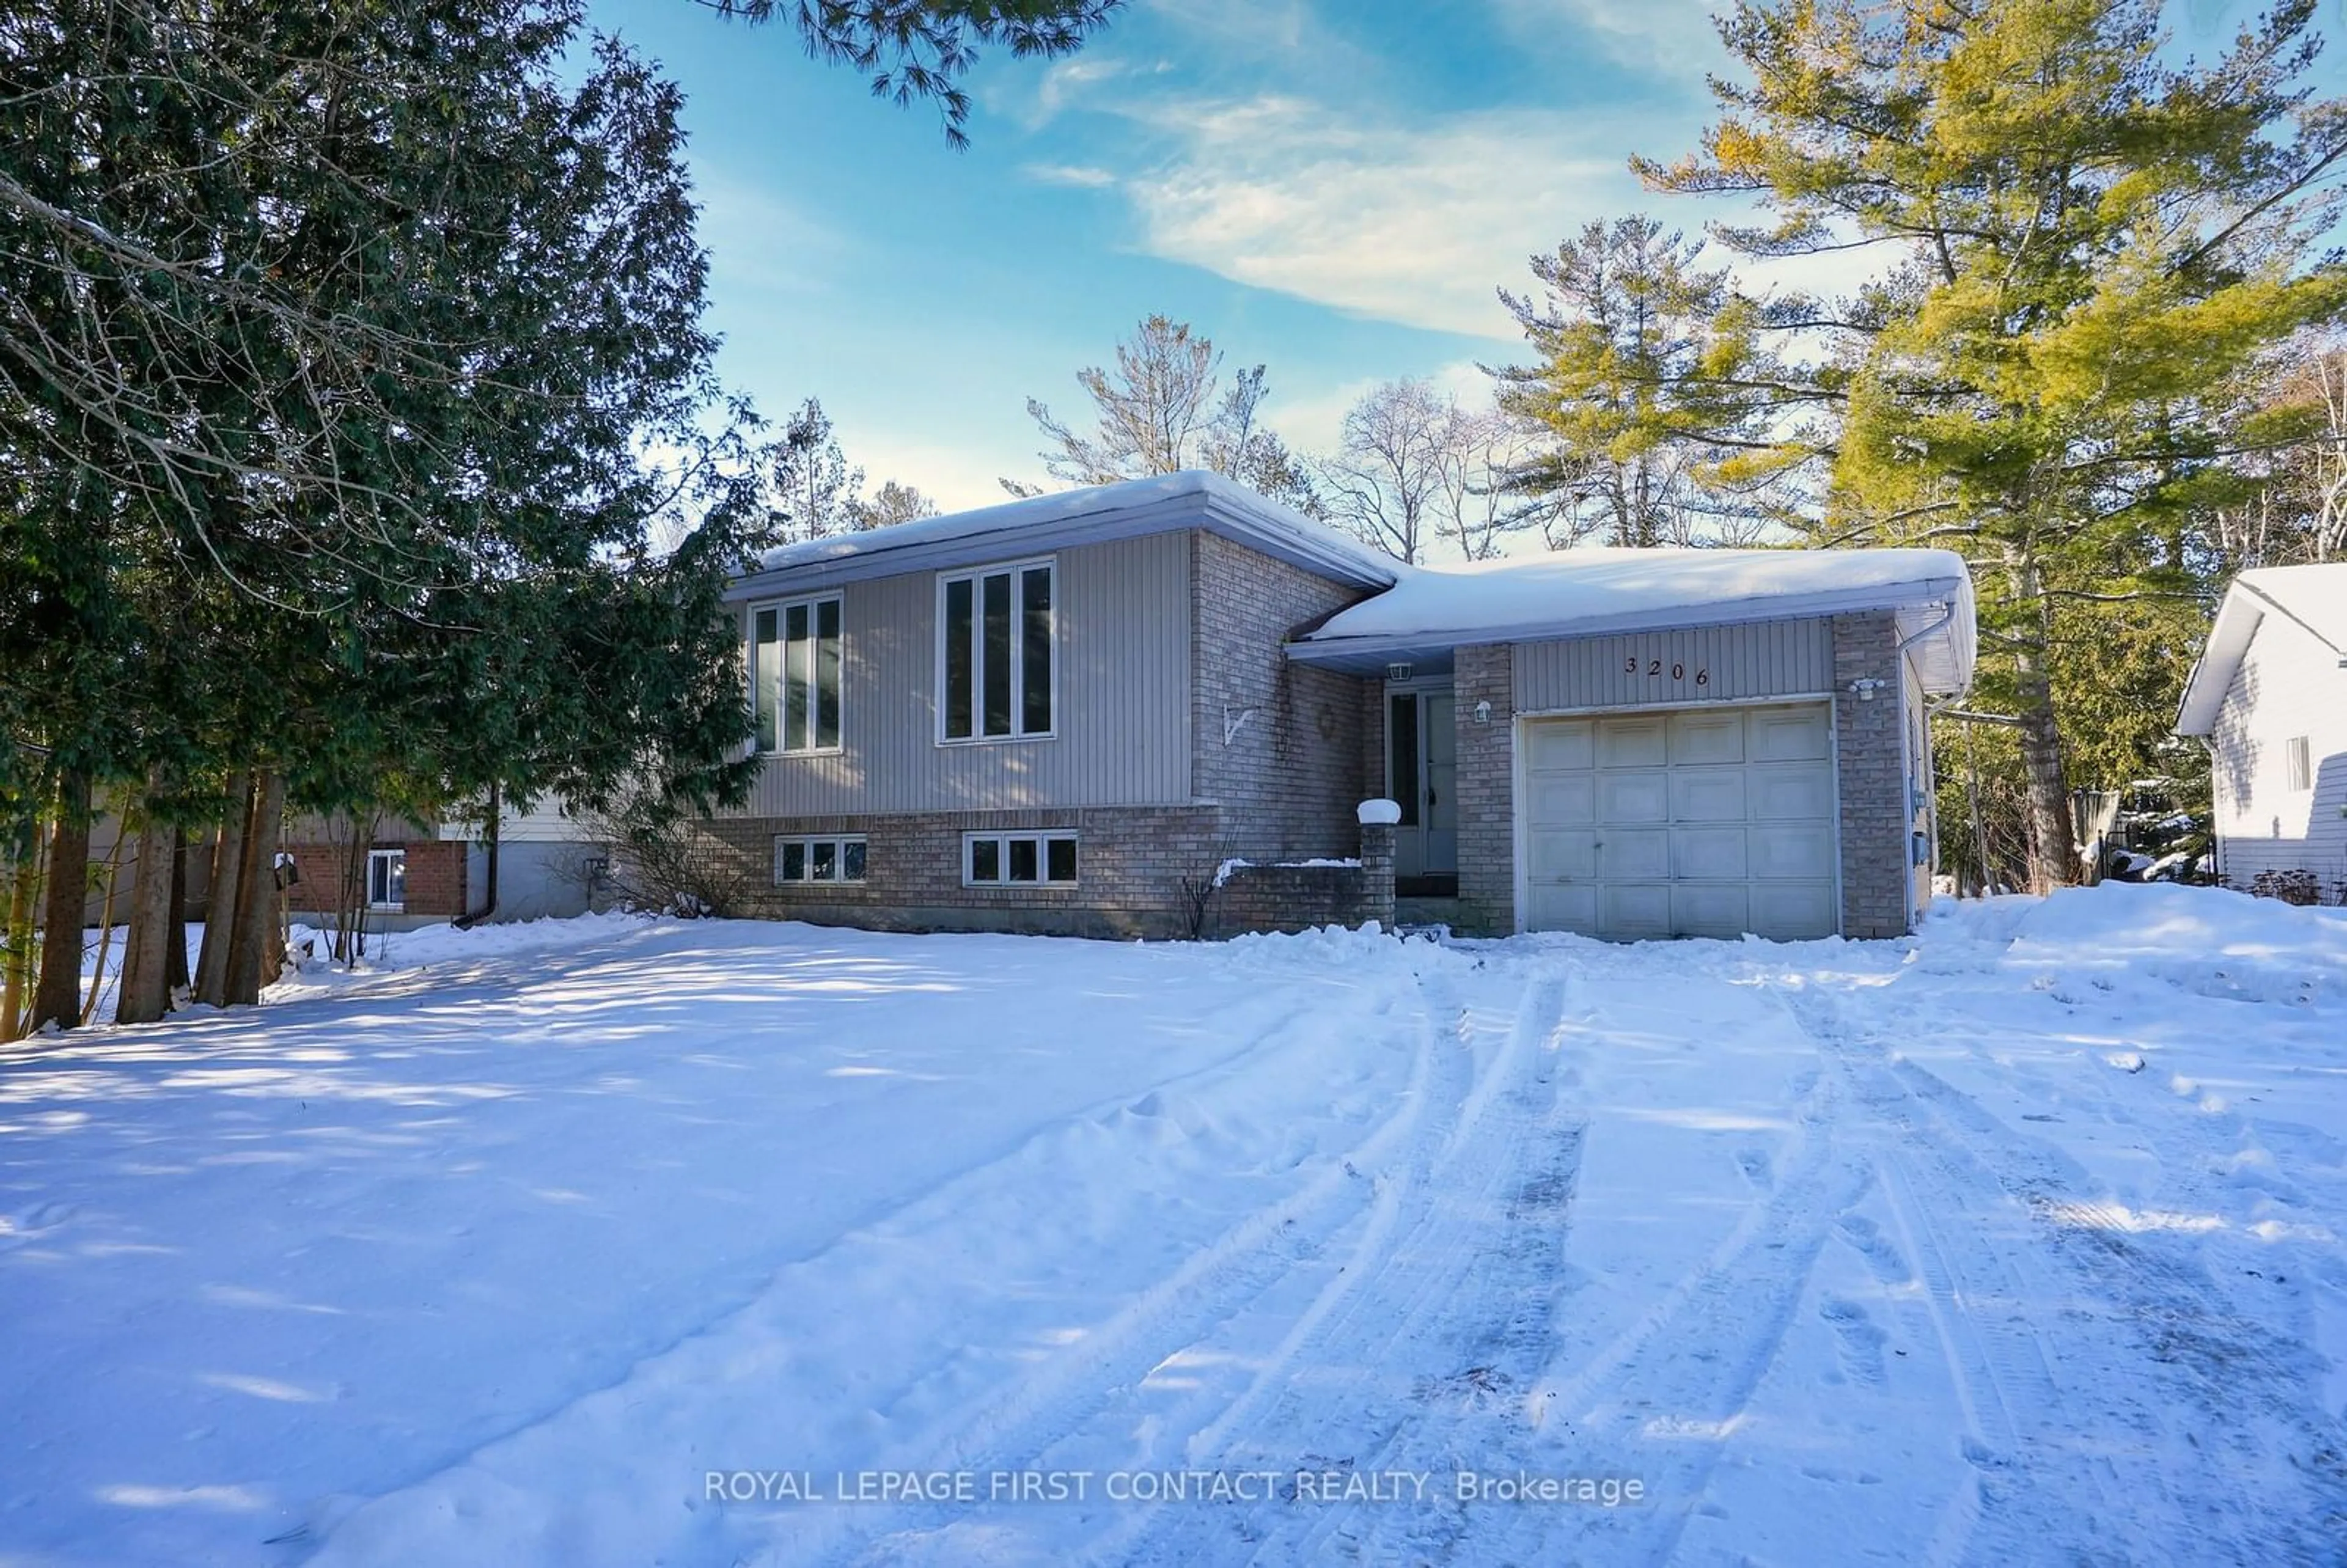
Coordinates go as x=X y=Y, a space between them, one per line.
x=806 y=843
x=1015 y=571
x=2298 y=763
x=781 y=609
x=1041 y=838
x=386 y=856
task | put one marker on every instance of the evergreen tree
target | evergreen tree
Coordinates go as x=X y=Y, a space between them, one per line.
x=1669 y=419
x=2084 y=247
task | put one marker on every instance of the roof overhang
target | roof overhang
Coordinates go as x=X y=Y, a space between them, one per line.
x=1080 y=518
x=1942 y=644
x=2244 y=609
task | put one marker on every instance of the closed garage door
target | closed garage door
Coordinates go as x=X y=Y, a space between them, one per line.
x=1709 y=822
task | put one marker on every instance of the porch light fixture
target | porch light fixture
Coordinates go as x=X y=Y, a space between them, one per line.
x=1483 y=712
x=1397 y=671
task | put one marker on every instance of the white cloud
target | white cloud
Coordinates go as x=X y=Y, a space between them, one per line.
x=1414 y=224
x=1084 y=176
x=1672 y=39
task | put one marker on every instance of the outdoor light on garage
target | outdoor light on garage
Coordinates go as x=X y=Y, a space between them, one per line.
x=1864 y=686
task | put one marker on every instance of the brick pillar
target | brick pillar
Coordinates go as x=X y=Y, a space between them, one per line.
x=1378 y=873
x=1487 y=789
x=1869 y=760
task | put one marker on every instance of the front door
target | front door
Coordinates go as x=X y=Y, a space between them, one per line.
x=1421 y=776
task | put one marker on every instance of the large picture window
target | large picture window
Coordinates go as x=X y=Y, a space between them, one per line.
x=994 y=652
x=794 y=675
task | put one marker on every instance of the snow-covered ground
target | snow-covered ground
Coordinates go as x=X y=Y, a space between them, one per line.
x=607 y=1242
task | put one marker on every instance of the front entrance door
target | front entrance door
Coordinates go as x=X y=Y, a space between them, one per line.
x=1421 y=776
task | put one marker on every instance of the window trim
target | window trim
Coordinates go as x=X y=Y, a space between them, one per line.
x=387 y=906
x=2298 y=764
x=977 y=576
x=806 y=843
x=780 y=608
x=1042 y=837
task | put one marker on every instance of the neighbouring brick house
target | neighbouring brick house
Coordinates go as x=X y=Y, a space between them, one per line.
x=1155 y=707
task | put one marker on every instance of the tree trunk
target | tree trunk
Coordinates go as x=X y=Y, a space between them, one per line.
x=256 y=956
x=2053 y=852
x=144 y=995
x=113 y=874
x=175 y=950
x=18 y=942
x=58 y=997
x=219 y=900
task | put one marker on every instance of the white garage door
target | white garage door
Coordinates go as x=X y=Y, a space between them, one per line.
x=1709 y=822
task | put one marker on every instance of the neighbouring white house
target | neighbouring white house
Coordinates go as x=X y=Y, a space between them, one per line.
x=2270 y=698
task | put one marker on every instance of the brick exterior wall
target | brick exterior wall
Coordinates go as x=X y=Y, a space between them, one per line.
x=1487 y=790
x=436 y=880
x=1871 y=778
x=1299 y=898
x=1131 y=864
x=1289 y=778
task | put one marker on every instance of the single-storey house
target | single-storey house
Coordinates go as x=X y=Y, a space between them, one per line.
x=2268 y=697
x=543 y=862
x=1155 y=708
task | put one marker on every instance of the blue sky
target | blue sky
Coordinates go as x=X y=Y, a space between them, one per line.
x=1334 y=189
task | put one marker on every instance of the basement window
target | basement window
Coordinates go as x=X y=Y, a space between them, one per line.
x=387 y=880
x=1019 y=860
x=818 y=859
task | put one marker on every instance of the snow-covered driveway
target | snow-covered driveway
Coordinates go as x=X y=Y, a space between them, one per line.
x=2018 y=1242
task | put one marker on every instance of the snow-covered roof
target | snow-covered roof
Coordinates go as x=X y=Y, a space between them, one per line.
x=1590 y=591
x=2314 y=597
x=1192 y=498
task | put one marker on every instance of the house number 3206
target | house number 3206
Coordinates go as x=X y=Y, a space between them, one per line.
x=1655 y=670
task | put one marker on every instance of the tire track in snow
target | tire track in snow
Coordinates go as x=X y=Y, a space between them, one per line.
x=2011 y=1254
x=1007 y=1428
x=1698 y=1354
x=1093 y=1357
x=1444 y=1310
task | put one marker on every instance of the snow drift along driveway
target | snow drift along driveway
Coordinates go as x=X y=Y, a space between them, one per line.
x=2019 y=1240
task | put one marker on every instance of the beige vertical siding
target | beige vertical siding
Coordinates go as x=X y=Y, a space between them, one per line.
x=1123 y=718
x=1712 y=664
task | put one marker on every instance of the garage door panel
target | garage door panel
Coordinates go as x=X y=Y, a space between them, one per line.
x=1709 y=909
x=1635 y=909
x=1633 y=855
x=1708 y=736
x=1797 y=851
x=1554 y=743
x=1634 y=797
x=1791 y=792
x=1632 y=743
x=1567 y=800
x=1698 y=822
x=1562 y=852
x=1708 y=794
x=1710 y=853
x=1792 y=910
x=1572 y=908
x=1789 y=734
